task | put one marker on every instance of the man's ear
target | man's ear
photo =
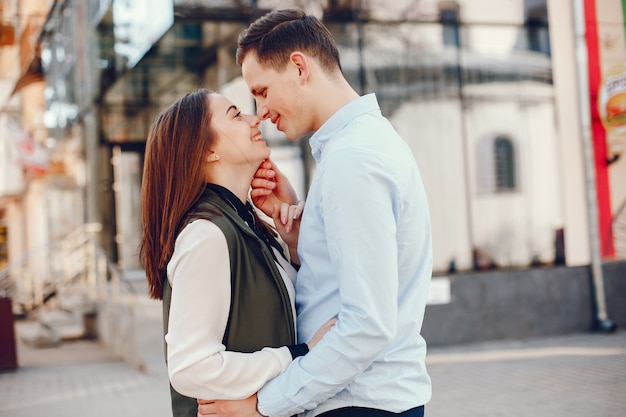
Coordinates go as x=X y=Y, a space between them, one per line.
x=301 y=64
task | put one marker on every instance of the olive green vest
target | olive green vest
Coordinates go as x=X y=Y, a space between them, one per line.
x=260 y=310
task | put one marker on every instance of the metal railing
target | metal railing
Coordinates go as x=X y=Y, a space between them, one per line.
x=76 y=273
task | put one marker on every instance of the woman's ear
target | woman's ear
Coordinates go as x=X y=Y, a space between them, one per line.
x=300 y=62
x=212 y=157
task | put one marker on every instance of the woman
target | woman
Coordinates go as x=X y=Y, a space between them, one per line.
x=227 y=288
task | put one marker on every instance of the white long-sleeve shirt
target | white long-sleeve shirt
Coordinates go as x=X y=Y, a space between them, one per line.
x=198 y=364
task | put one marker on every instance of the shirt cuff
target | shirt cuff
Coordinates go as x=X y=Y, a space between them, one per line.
x=259 y=409
x=272 y=402
x=298 y=350
x=283 y=354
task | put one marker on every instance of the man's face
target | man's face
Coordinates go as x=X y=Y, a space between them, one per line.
x=277 y=96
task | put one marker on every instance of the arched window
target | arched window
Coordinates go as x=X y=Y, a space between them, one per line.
x=496 y=165
x=504 y=164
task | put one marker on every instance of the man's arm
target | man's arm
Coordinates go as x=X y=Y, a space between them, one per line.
x=241 y=408
x=358 y=191
x=249 y=406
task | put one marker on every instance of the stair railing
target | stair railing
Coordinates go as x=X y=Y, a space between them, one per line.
x=77 y=264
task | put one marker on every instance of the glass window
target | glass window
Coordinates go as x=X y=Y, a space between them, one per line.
x=504 y=164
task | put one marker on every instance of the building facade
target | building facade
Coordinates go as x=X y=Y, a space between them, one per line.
x=485 y=92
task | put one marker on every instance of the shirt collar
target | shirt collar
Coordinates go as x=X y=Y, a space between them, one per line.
x=244 y=210
x=339 y=120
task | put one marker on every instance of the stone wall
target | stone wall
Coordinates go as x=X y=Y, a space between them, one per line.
x=523 y=304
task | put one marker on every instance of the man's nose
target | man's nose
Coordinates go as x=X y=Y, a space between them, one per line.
x=262 y=111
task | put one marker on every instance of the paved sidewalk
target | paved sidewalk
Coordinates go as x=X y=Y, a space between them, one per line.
x=573 y=375
x=576 y=375
x=80 y=378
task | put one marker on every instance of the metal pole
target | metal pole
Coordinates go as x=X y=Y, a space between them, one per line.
x=603 y=323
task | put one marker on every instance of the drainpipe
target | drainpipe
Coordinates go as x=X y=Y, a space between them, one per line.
x=602 y=321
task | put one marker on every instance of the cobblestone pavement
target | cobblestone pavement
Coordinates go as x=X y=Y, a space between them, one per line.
x=572 y=375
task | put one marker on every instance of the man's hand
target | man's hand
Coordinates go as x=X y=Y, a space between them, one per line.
x=287 y=222
x=228 y=408
x=270 y=187
x=321 y=332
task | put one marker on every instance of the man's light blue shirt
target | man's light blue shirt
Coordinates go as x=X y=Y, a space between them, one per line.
x=366 y=254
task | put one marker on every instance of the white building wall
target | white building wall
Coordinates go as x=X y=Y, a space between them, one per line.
x=514 y=227
x=545 y=203
x=431 y=129
x=511 y=228
x=562 y=41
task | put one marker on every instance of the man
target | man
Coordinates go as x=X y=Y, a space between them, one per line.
x=365 y=242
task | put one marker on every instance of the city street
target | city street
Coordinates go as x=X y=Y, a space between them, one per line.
x=474 y=150
x=571 y=375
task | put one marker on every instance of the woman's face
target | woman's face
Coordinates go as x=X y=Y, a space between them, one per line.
x=238 y=139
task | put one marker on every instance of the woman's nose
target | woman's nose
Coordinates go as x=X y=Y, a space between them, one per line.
x=254 y=120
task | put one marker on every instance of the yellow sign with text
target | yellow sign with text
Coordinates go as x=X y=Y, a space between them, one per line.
x=612 y=100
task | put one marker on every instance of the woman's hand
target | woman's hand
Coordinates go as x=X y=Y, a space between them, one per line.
x=321 y=332
x=287 y=222
x=271 y=187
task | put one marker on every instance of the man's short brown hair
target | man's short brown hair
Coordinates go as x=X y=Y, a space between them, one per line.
x=274 y=36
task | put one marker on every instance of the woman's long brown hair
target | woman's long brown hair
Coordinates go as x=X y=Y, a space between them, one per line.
x=176 y=147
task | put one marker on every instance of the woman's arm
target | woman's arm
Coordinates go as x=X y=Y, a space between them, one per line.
x=198 y=364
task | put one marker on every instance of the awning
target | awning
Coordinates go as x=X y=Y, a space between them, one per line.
x=32 y=74
x=30 y=53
